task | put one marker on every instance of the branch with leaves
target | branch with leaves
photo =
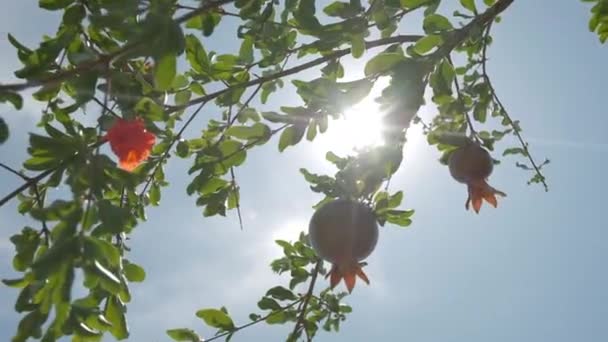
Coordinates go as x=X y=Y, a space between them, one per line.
x=130 y=53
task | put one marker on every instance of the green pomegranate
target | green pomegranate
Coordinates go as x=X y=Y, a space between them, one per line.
x=344 y=233
x=471 y=164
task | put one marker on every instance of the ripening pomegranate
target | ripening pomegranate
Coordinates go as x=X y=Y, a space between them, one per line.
x=344 y=233
x=471 y=164
x=131 y=142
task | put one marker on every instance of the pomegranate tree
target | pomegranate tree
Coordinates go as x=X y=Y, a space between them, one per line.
x=471 y=164
x=344 y=233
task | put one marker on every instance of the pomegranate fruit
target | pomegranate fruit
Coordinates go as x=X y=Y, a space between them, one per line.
x=344 y=233
x=471 y=164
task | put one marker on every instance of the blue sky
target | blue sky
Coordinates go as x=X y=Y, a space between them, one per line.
x=531 y=270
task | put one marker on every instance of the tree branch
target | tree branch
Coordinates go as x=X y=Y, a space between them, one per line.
x=15 y=172
x=41 y=176
x=459 y=35
x=307 y=297
x=104 y=59
x=466 y=113
x=297 y=69
x=159 y=162
x=504 y=112
x=463 y=33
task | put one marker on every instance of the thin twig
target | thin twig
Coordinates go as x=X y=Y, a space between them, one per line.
x=307 y=297
x=466 y=113
x=159 y=162
x=296 y=69
x=504 y=112
x=370 y=8
x=232 y=119
x=40 y=200
x=462 y=34
x=238 y=197
x=250 y=144
x=42 y=175
x=92 y=179
x=232 y=176
x=17 y=173
x=105 y=107
x=27 y=184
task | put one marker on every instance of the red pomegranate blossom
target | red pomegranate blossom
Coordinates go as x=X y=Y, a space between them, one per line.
x=471 y=164
x=131 y=142
x=344 y=233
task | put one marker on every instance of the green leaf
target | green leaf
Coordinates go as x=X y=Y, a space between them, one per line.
x=17 y=283
x=235 y=150
x=26 y=245
x=74 y=15
x=30 y=326
x=209 y=21
x=291 y=136
x=23 y=51
x=134 y=273
x=115 y=314
x=114 y=219
x=41 y=163
x=427 y=43
x=382 y=63
x=312 y=130
x=281 y=293
x=436 y=23
x=357 y=45
x=99 y=249
x=399 y=217
x=409 y=4
x=108 y=280
x=216 y=318
x=4 y=133
x=305 y=15
x=469 y=4
x=54 y=4
x=84 y=331
x=447 y=72
x=165 y=71
x=182 y=97
x=514 y=150
x=150 y=109
x=277 y=317
x=480 y=112
x=258 y=130
x=196 y=54
x=84 y=87
x=342 y=9
x=183 y=148
x=52 y=260
x=246 y=50
x=154 y=194
x=184 y=334
x=14 y=98
x=267 y=303
x=276 y=117
x=47 y=92
x=333 y=70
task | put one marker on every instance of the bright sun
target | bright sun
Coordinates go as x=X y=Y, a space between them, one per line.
x=360 y=126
